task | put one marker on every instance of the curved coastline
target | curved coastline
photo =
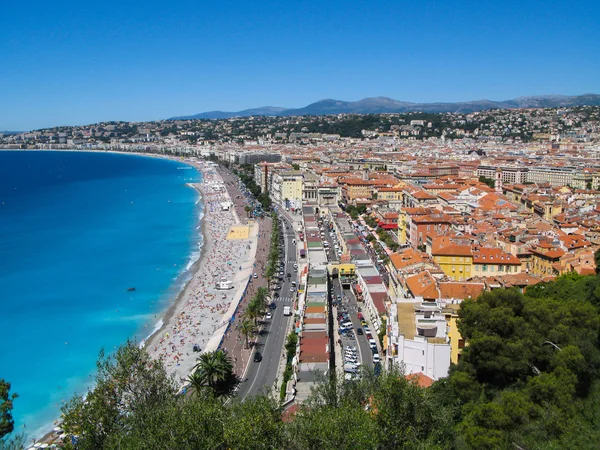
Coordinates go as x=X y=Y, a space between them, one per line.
x=176 y=289
x=216 y=314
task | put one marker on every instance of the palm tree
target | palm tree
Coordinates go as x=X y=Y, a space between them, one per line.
x=254 y=310
x=247 y=209
x=246 y=327
x=214 y=370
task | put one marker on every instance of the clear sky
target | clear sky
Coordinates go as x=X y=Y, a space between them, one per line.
x=72 y=63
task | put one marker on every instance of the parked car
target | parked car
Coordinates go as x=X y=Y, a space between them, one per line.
x=376 y=359
x=255 y=275
x=372 y=343
x=257 y=357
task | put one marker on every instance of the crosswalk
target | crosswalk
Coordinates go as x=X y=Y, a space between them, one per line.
x=284 y=299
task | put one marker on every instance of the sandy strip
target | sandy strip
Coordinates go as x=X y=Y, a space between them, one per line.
x=200 y=314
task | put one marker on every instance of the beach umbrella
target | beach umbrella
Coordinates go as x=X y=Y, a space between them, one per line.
x=37 y=445
x=44 y=445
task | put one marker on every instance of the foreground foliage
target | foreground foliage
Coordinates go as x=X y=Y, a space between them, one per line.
x=528 y=379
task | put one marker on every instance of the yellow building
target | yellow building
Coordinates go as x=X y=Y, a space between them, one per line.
x=545 y=261
x=344 y=269
x=455 y=260
x=291 y=189
x=457 y=343
x=489 y=262
x=403 y=229
x=356 y=188
x=392 y=194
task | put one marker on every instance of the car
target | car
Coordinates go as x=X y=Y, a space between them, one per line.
x=276 y=295
x=257 y=357
x=295 y=266
x=255 y=276
x=367 y=329
x=272 y=305
x=339 y=297
x=268 y=316
x=292 y=289
x=360 y=316
x=372 y=343
x=376 y=358
x=359 y=331
x=281 y=273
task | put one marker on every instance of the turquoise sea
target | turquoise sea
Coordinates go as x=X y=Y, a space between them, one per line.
x=77 y=230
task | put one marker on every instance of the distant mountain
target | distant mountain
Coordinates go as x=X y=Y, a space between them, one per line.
x=374 y=105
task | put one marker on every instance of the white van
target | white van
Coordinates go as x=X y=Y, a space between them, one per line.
x=287 y=311
x=350 y=368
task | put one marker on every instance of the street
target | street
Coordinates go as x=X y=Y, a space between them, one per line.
x=261 y=376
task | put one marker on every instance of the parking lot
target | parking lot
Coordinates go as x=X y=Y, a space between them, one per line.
x=358 y=345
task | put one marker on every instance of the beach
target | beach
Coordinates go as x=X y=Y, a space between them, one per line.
x=201 y=313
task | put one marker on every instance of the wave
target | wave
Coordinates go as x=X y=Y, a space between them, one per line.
x=157 y=327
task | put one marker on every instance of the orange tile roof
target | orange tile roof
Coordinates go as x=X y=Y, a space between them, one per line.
x=420 y=379
x=461 y=290
x=483 y=255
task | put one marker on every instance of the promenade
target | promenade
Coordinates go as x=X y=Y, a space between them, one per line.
x=233 y=341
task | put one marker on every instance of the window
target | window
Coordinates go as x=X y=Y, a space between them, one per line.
x=461 y=343
x=485 y=267
x=453 y=268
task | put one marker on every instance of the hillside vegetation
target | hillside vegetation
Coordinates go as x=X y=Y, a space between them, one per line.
x=528 y=379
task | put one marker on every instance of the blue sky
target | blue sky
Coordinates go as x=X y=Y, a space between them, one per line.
x=70 y=63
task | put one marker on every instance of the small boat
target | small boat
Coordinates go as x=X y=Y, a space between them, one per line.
x=131 y=289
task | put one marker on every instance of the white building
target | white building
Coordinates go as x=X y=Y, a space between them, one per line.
x=417 y=338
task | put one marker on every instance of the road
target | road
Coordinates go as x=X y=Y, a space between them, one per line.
x=365 y=354
x=261 y=376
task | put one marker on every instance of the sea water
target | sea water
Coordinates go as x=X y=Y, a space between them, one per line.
x=78 y=231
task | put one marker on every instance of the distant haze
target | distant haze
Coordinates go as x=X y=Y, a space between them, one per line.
x=379 y=105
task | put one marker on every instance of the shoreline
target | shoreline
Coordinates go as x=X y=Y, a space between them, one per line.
x=215 y=314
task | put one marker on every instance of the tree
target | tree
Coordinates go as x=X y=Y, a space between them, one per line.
x=531 y=361
x=246 y=327
x=489 y=181
x=129 y=386
x=214 y=370
x=247 y=209
x=597 y=261
x=296 y=166
x=7 y=424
